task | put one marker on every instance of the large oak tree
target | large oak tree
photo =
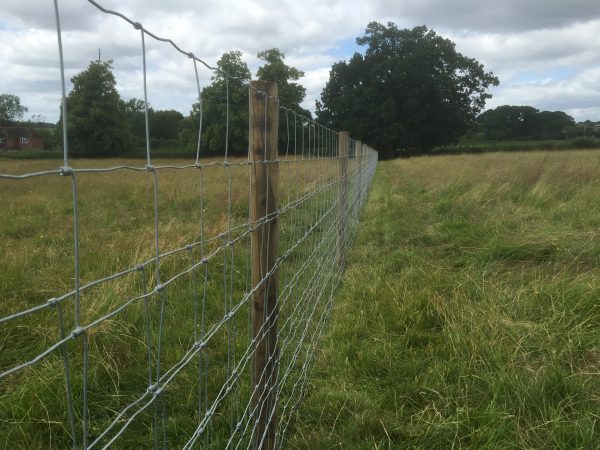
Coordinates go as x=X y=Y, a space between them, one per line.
x=409 y=92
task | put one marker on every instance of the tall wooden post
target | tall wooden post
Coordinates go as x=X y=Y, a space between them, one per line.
x=343 y=143
x=263 y=126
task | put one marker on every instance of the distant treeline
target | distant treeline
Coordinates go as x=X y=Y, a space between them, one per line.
x=101 y=123
x=509 y=123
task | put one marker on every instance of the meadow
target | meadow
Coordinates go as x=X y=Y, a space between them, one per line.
x=469 y=314
x=136 y=332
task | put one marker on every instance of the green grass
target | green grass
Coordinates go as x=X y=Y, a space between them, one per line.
x=469 y=315
x=116 y=222
x=116 y=232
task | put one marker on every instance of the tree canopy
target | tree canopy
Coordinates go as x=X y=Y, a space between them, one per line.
x=164 y=125
x=214 y=101
x=214 y=109
x=523 y=122
x=11 y=108
x=96 y=119
x=291 y=94
x=411 y=90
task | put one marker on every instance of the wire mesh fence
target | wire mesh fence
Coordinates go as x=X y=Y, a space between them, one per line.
x=174 y=304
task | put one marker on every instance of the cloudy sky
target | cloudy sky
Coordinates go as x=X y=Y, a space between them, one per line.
x=545 y=52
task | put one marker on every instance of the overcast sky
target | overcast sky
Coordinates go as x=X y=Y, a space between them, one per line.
x=545 y=52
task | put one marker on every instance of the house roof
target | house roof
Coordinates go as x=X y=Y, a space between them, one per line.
x=18 y=132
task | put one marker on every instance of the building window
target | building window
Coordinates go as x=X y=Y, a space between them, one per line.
x=2 y=140
x=24 y=140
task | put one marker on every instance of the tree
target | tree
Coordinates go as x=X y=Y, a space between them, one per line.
x=524 y=122
x=96 y=120
x=554 y=124
x=291 y=94
x=165 y=124
x=411 y=90
x=215 y=126
x=136 y=120
x=11 y=108
x=509 y=122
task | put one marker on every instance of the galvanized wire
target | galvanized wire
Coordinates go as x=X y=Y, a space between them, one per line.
x=209 y=277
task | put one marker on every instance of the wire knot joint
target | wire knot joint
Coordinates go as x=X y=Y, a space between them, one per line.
x=66 y=171
x=78 y=332
x=154 y=389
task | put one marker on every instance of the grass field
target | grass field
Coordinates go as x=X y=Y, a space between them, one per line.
x=469 y=315
x=116 y=224
x=202 y=213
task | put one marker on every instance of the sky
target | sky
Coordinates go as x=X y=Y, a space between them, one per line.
x=546 y=53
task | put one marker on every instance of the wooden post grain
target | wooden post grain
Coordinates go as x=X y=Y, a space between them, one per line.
x=343 y=144
x=263 y=130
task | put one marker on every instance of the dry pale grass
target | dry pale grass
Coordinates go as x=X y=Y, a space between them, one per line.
x=527 y=169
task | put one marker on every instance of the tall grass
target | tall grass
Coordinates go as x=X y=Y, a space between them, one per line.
x=469 y=315
x=117 y=232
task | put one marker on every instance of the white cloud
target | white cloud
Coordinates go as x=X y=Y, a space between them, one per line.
x=545 y=53
x=582 y=90
x=533 y=50
x=504 y=16
x=314 y=80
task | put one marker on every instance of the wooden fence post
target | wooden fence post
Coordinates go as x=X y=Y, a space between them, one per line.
x=343 y=144
x=263 y=130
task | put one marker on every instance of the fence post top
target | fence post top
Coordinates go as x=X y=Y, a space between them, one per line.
x=264 y=86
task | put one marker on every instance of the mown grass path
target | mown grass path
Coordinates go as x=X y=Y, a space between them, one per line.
x=469 y=315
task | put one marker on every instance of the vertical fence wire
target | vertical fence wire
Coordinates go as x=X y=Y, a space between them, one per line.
x=157 y=351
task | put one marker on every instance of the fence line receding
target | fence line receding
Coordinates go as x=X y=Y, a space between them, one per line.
x=175 y=305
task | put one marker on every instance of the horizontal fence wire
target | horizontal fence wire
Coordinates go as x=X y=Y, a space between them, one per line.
x=127 y=318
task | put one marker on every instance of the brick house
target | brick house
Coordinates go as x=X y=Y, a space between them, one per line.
x=19 y=138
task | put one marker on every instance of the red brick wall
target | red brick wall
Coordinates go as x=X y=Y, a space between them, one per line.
x=14 y=143
x=34 y=142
